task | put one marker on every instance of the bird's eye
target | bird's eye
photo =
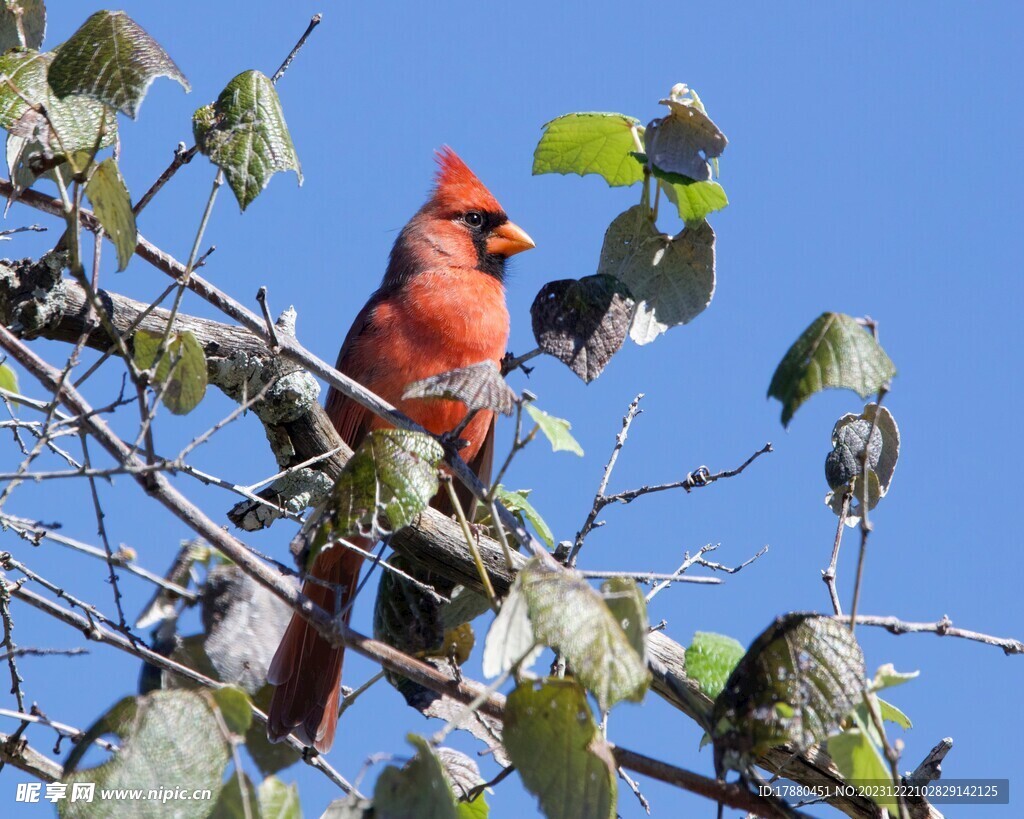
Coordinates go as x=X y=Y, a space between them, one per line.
x=473 y=218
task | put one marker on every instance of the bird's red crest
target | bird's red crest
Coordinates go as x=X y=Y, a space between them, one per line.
x=456 y=187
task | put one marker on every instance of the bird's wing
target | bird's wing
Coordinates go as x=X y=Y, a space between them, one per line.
x=350 y=418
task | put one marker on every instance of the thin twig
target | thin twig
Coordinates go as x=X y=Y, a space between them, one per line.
x=600 y=499
x=101 y=530
x=350 y=699
x=699 y=560
x=9 y=644
x=511 y=363
x=261 y=298
x=182 y=156
x=829 y=574
x=100 y=634
x=69 y=731
x=865 y=502
x=43 y=652
x=941 y=628
x=314 y=21
x=652 y=577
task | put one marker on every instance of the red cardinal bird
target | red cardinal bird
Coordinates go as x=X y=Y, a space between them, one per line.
x=440 y=306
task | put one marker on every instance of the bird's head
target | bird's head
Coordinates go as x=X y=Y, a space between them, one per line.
x=460 y=225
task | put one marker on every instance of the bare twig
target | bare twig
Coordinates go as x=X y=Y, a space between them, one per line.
x=261 y=298
x=651 y=577
x=69 y=731
x=600 y=499
x=101 y=530
x=314 y=21
x=700 y=477
x=511 y=363
x=829 y=574
x=182 y=156
x=6 y=234
x=350 y=698
x=9 y=644
x=941 y=628
x=100 y=634
x=43 y=652
x=699 y=560
x=635 y=787
x=35 y=532
x=865 y=502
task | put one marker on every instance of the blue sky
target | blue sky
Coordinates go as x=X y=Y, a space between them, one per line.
x=870 y=170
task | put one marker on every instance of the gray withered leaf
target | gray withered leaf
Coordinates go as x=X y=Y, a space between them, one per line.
x=583 y=322
x=684 y=141
x=478 y=386
x=672 y=278
x=795 y=684
x=845 y=461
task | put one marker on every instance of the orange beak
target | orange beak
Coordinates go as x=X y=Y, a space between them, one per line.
x=508 y=239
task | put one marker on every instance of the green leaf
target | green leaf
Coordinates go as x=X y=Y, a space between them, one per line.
x=710 y=659
x=888 y=677
x=590 y=143
x=845 y=462
x=835 y=351
x=517 y=501
x=168 y=739
x=71 y=125
x=694 y=200
x=558 y=751
x=182 y=367
x=384 y=486
x=230 y=803
x=796 y=683
x=556 y=430
x=858 y=760
x=582 y=322
x=113 y=207
x=418 y=790
x=8 y=379
x=893 y=714
x=571 y=617
x=279 y=801
x=626 y=602
x=672 y=278
x=477 y=809
x=235 y=708
x=22 y=24
x=510 y=639
x=111 y=58
x=478 y=386
x=245 y=134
